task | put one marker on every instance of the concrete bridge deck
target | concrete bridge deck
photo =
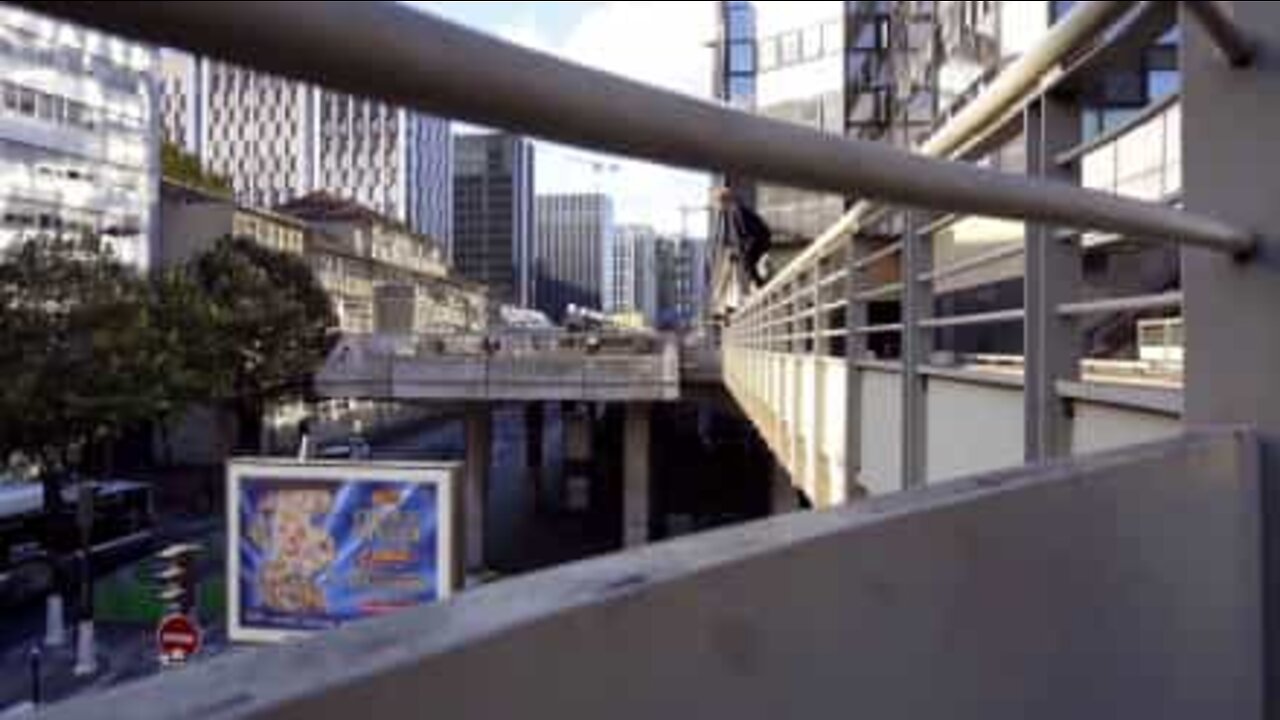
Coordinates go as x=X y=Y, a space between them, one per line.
x=504 y=367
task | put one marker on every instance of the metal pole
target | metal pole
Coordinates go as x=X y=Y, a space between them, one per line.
x=917 y=342
x=1222 y=30
x=854 y=345
x=1053 y=275
x=411 y=58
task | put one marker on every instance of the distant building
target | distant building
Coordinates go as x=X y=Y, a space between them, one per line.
x=375 y=271
x=733 y=79
x=78 y=135
x=631 y=277
x=571 y=238
x=277 y=139
x=681 y=283
x=193 y=219
x=493 y=212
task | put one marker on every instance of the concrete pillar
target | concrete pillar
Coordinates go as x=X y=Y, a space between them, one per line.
x=534 y=424
x=635 y=476
x=479 y=439
x=782 y=495
x=578 y=447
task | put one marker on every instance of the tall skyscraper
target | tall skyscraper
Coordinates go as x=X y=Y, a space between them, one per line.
x=681 y=282
x=493 y=214
x=570 y=244
x=277 y=139
x=733 y=80
x=78 y=136
x=630 y=276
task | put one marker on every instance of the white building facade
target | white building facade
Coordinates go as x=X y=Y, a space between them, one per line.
x=277 y=139
x=79 y=150
x=631 y=276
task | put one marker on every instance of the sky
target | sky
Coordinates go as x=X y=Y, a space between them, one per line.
x=660 y=43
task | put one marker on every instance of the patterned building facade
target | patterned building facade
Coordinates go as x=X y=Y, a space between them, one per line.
x=277 y=139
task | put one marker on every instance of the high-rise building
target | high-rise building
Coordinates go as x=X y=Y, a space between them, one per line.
x=631 y=273
x=570 y=244
x=277 y=139
x=681 y=282
x=733 y=80
x=493 y=214
x=78 y=136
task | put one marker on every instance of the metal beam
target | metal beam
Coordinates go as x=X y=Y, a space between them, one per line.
x=1222 y=30
x=414 y=59
x=917 y=347
x=1163 y=301
x=1053 y=273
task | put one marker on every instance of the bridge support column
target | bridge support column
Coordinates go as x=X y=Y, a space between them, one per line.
x=479 y=441
x=782 y=495
x=635 y=476
x=534 y=423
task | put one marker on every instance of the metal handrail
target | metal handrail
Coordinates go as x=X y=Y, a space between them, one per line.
x=973 y=263
x=988 y=318
x=872 y=258
x=884 y=291
x=1162 y=301
x=878 y=329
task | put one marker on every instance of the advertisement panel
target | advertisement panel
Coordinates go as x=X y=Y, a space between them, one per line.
x=314 y=545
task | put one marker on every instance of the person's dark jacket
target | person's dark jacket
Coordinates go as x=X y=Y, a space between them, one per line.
x=750 y=236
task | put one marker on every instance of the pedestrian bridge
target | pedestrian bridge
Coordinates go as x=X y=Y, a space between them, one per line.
x=1079 y=581
x=504 y=367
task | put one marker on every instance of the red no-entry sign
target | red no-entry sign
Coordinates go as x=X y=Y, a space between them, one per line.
x=178 y=638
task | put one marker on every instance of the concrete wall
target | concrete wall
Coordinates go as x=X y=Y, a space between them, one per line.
x=972 y=428
x=881 y=429
x=1102 y=427
x=1127 y=585
x=974 y=424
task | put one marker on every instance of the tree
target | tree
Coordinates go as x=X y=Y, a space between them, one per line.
x=75 y=330
x=271 y=327
x=182 y=325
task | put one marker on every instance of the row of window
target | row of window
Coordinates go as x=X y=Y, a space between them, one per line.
x=29 y=102
x=20 y=44
x=55 y=223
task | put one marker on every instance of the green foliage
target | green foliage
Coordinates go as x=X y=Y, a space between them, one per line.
x=272 y=323
x=89 y=348
x=186 y=168
x=74 y=327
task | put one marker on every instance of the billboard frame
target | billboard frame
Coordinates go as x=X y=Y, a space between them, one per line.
x=445 y=476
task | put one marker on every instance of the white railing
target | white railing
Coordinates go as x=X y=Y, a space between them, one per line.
x=808 y=330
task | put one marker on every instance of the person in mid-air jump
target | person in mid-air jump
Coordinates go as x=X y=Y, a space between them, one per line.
x=745 y=232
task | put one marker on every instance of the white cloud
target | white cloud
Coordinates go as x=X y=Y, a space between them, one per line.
x=659 y=43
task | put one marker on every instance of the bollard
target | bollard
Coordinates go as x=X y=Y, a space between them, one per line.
x=86 y=657
x=55 y=626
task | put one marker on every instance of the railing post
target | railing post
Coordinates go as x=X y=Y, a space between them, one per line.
x=917 y=346
x=1052 y=345
x=817 y=433
x=1233 y=351
x=854 y=346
